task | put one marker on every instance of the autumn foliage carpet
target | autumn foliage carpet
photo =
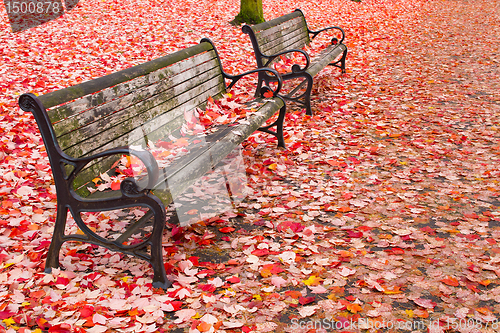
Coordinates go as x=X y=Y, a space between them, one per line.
x=382 y=212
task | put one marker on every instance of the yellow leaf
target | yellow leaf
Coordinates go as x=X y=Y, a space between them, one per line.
x=25 y=303
x=9 y=321
x=409 y=313
x=313 y=281
x=196 y=316
x=257 y=297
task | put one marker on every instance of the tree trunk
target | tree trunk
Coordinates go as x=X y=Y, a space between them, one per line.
x=250 y=12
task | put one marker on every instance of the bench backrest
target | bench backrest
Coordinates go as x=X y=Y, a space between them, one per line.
x=280 y=34
x=122 y=108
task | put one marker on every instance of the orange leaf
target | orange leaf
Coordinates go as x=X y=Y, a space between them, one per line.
x=483 y=311
x=7 y=203
x=133 y=312
x=471 y=215
x=354 y=308
x=293 y=293
x=37 y=294
x=265 y=273
x=227 y=230
x=268 y=94
x=204 y=327
x=392 y=291
x=181 y=142
x=421 y=313
x=451 y=281
x=485 y=282
x=115 y=186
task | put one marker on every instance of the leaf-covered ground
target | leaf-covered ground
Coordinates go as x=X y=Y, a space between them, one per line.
x=383 y=212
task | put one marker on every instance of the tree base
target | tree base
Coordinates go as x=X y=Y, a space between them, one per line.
x=250 y=13
x=240 y=19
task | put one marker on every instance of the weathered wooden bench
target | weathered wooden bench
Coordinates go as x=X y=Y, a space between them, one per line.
x=286 y=35
x=88 y=128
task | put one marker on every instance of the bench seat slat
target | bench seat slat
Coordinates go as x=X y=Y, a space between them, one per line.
x=275 y=22
x=325 y=57
x=75 y=114
x=266 y=36
x=68 y=94
x=297 y=42
x=185 y=172
x=154 y=129
x=118 y=114
x=118 y=134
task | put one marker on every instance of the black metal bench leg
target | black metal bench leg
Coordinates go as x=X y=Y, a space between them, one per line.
x=52 y=260
x=260 y=80
x=307 y=96
x=342 y=61
x=160 y=276
x=279 y=127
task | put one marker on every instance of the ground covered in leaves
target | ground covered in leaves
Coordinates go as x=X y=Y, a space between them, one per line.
x=381 y=215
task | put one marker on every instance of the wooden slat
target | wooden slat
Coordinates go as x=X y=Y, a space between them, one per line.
x=155 y=129
x=152 y=110
x=284 y=28
x=74 y=113
x=277 y=21
x=188 y=170
x=325 y=57
x=121 y=110
x=296 y=42
x=90 y=87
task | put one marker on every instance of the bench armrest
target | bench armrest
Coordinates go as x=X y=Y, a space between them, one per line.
x=295 y=68
x=235 y=78
x=128 y=186
x=334 y=40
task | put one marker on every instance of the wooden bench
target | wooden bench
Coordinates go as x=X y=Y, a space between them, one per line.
x=286 y=35
x=88 y=128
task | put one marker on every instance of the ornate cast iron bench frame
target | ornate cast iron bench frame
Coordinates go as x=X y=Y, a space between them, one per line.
x=84 y=129
x=288 y=34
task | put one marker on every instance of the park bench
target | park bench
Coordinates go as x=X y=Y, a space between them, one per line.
x=90 y=128
x=286 y=35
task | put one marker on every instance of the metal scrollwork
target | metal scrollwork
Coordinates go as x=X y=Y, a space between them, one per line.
x=26 y=103
x=129 y=187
